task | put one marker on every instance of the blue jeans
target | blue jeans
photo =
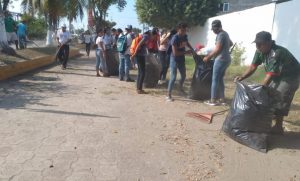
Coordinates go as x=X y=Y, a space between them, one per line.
x=165 y=62
x=22 y=41
x=100 y=61
x=124 y=65
x=218 y=86
x=176 y=62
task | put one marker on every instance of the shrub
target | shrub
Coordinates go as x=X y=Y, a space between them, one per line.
x=237 y=54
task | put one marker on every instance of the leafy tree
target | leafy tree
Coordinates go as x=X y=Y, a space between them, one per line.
x=37 y=27
x=136 y=30
x=54 y=10
x=100 y=8
x=74 y=8
x=167 y=13
x=237 y=54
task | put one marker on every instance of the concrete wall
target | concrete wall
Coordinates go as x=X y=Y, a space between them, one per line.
x=241 y=26
x=286 y=28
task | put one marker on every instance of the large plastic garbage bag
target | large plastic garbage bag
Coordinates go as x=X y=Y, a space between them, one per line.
x=153 y=69
x=112 y=63
x=202 y=78
x=250 y=118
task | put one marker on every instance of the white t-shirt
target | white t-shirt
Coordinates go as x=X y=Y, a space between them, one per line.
x=63 y=37
x=87 y=38
x=129 y=41
x=98 y=40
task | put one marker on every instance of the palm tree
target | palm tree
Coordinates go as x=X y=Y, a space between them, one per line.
x=100 y=8
x=53 y=10
x=75 y=8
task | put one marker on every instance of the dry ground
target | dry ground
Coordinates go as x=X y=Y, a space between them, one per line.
x=71 y=125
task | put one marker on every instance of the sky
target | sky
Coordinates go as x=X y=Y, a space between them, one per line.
x=123 y=18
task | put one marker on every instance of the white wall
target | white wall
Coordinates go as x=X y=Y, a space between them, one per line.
x=241 y=27
x=286 y=28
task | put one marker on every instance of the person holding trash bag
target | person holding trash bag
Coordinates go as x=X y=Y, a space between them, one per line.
x=139 y=50
x=222 y=60
x=282 y=73
x=177 y=58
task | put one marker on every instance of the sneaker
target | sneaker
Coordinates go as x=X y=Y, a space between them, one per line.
x=210 y=103
x=169 y=99
x=161 y=82
x=141 y=92
x=98 y=75
x=222 y=102
x=121 y=78
x=129 y=80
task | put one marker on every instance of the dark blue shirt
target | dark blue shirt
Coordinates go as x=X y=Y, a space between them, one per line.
x=180 y=42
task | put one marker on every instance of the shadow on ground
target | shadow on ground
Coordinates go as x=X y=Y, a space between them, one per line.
x=31 y=88
x=24 y=90
x=290 y=140
x=69 y=113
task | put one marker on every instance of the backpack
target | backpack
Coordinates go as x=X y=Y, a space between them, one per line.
x=135 y=43
x=122 y=44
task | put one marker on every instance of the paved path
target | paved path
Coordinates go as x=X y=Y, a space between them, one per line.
x=71 y=125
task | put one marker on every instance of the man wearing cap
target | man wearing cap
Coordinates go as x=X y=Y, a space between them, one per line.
x=282 y=73
x=222 y=60
x=63 y=39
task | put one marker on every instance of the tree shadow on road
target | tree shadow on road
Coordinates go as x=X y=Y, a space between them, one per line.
x=69 y=113
x=69 y=73
x=30 y=89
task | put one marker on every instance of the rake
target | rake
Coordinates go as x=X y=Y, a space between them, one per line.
x=205 y=117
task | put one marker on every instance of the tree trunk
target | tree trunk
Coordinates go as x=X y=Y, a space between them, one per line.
x=5 y=48
x=50 y=33
x=3 y=37
x=70 y=26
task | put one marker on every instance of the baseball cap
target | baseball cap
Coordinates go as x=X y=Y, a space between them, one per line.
x=263 y=36
x=128 y=27
x=64 y=26
x=216 y=24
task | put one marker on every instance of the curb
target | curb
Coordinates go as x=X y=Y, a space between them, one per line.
x=18 y=68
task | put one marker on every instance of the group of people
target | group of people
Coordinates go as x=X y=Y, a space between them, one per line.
x=136 y=49
x=283 y=70
x=16 y=32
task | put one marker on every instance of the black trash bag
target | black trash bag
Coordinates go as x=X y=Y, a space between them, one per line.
x=202 y=78
x=250 y=118
x=153 y=69
x=112 y=63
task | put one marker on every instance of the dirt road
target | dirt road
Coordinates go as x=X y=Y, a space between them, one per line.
x=71 y=125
